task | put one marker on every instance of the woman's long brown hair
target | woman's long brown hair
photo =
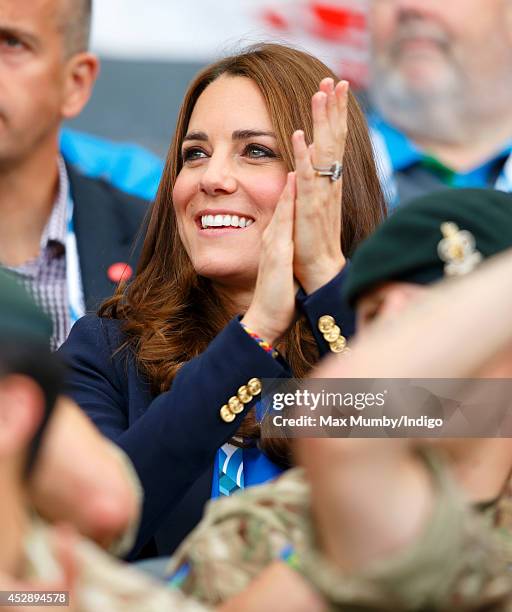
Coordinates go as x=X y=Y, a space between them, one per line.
x=169 y=313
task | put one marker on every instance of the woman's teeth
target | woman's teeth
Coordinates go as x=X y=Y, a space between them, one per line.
x=225 y=221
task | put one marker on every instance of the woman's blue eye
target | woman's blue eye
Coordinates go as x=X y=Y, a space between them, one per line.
x=11 y=42
x=252 y=151
x=258 y=151
x=192 y=154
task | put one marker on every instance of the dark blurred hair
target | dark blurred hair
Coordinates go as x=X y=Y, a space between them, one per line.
x=34 y=360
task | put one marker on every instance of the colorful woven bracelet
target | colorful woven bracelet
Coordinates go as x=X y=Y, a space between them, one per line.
x=261 y=342
x=290 y=557
x=176 y=580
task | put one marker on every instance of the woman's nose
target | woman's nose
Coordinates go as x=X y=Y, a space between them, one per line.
x=218 y=177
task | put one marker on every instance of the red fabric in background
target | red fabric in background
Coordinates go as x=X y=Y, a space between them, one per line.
x=339 y=28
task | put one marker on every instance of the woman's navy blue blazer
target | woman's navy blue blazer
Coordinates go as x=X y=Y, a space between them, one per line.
x=172 y=438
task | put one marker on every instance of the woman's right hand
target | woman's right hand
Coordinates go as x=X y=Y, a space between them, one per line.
x=273 y=305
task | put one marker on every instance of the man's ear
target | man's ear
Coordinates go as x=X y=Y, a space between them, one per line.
x=21 y=411
x=81 y=73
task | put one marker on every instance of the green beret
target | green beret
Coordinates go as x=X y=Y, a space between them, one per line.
x=20 y=318
x=406 y=246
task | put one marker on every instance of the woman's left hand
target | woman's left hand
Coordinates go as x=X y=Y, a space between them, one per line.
x=317 y=229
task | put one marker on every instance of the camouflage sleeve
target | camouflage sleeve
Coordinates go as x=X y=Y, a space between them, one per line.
x=103 y=583
x=460 y=561
x=239 y=536
x=107 y=584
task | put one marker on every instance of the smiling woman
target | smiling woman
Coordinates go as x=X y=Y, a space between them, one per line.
x=232 y=171
x=239 y=280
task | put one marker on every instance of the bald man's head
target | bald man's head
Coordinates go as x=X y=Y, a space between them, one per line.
x=75 y=18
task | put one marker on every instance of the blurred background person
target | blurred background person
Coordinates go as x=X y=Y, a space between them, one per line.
x=441 y=90
x=68 y=238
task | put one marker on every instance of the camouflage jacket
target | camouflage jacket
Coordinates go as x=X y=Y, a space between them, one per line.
x=460 y=562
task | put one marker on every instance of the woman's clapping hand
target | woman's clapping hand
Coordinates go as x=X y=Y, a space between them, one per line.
x=302 y=243
x=317 y=224
x=272 y=309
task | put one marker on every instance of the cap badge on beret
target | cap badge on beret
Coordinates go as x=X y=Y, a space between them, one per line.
x=457 y=250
